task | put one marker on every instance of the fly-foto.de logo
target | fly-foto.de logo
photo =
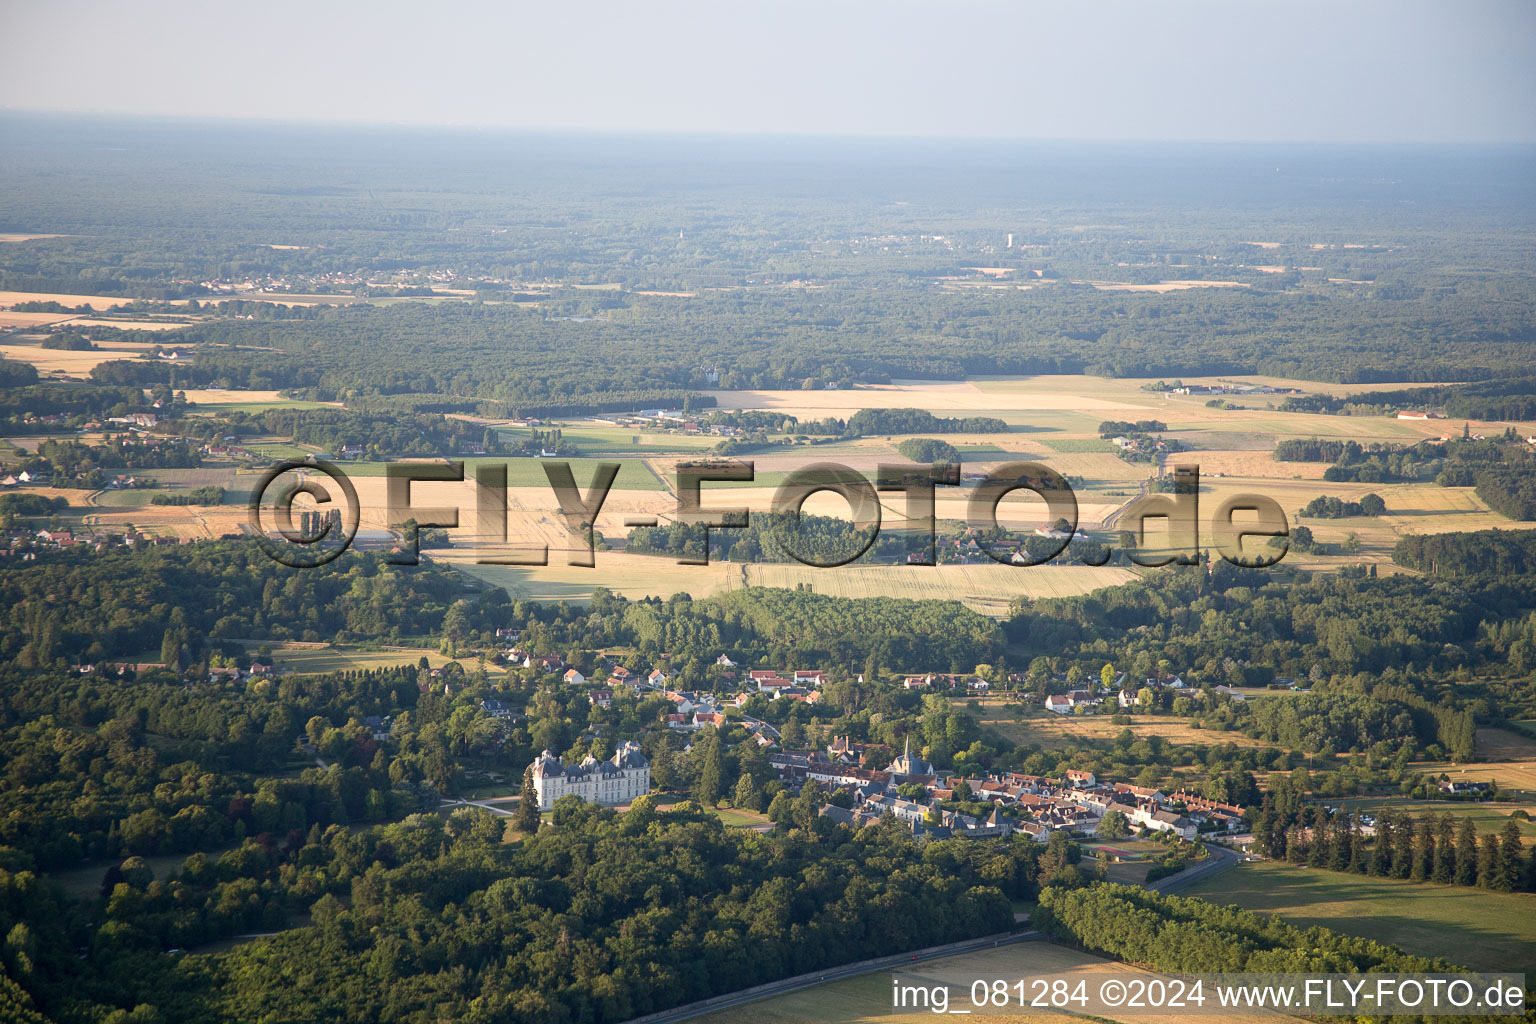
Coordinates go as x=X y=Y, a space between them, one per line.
x=328 y=524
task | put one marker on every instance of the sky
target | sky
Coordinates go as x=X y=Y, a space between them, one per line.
x=1250 y=70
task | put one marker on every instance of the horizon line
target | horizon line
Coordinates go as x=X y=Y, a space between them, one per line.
x=466 y=128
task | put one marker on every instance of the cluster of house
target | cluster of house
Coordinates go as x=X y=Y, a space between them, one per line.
x=143 y=420
x=1031 y=804
x=669 y=419
x=1126 y=694
x=24 y=544
x=1232 y=389
x=1137 y=445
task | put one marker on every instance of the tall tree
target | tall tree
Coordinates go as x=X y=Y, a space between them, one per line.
x=707 y=788
x=1511 y=856
x=1424 y=851
x=1466 y=853
x=1490 y=862
x=1444 y=870
x=526 y=818
x=746 y=797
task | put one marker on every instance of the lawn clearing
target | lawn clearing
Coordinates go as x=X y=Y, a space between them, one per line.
x=316 y=661
x=1483 y=930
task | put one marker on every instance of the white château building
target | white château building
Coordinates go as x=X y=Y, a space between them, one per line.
x=618 y=781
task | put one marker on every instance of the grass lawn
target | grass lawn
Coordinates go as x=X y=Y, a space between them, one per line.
x=312 y=661
x=741 y=819
x=1482 y=930
x=1078 y=444
x=215 y=408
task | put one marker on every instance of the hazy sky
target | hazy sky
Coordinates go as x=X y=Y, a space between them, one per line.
x=1384 y=70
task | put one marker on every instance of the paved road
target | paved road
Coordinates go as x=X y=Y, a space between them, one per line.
x=485 y=804
x=1222 y=859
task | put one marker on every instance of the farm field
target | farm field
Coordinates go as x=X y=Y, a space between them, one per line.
x=1485 y=816
x=337 y=658
x=634 y=474
x=1499 y=744
x=630 y=576
x=1054 y=731
x=1482 y=930
x=76 y=364
x=1518 y=774
x=985 y=588
x=867 y=998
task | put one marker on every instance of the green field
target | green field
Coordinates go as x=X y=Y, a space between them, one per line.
x=1483 y=930
x=1078 y=444
x=622 y=440
x=217 y=408
x=634 y=474
x=316 y=660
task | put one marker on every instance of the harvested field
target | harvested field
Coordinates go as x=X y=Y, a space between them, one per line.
x=986 y=588
x=79 y=364
x=631 y=576
x=1054 y=731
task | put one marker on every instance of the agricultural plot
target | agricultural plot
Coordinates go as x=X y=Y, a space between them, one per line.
x=1078 y=444
x=1483 y=930
x=867 y=998
x=335 y=658
x=75 y=364
x=1518 y=775
x=630 y=576
x=1056 y=732
x=1486 y=817
x=988 y=589
x=597 y=439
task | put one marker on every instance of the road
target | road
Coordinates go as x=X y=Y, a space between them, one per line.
x=486 y=805
x=1221 y=859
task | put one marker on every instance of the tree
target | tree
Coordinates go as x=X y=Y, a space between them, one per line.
x=1466 y=853
x=1511 y=857
x=706 y=789
x=746 y=796
x=780 y=807
x=1113 y=826
x=1107 y=675
x=1444 y=871
x=1490 y=862
x=1372 y=505
x=526 y=818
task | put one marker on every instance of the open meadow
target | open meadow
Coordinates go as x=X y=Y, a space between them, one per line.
x=1486 y=931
